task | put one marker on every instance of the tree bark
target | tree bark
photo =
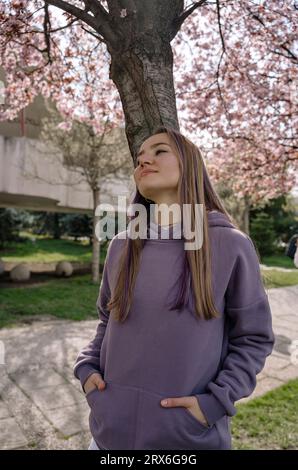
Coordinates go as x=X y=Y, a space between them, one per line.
x=143 y=76
x=95 y=241
x=138 y=35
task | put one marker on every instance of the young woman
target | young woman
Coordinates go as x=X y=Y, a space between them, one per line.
x=190 y=328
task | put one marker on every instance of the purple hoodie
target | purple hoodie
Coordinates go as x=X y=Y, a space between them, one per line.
x=158 y=353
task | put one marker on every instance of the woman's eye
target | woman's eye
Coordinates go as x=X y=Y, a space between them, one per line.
x=157 y=151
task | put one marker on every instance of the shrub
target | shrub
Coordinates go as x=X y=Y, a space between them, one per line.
x=263 y=234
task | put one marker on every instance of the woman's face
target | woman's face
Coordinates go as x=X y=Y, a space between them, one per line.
x=157 y=172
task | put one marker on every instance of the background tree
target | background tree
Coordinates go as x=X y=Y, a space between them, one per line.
x=48 y=223
x=239 y=208
x=251 y=179
x=78 y=225
x=92 y=156
x=11 y=222
x=240 y=87
x=262 y=232
x=234 y=65
x=283 y=213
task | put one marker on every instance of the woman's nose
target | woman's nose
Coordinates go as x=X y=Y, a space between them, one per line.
x=145 y=159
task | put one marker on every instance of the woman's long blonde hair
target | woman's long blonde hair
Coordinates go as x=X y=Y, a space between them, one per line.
x=194 y=187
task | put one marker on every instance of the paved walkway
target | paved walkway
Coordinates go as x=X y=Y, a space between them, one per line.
x=278 y=268
x=42 y=405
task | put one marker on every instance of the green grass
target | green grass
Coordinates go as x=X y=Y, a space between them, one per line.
x=274 y=278
x=46 y=250
x=268 y=422
x=277 y=260
x=72 y=298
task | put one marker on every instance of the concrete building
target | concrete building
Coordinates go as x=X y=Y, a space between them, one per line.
x=31 y=178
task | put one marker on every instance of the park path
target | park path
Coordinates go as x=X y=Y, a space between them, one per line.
x=278 y=268
x=42 y=405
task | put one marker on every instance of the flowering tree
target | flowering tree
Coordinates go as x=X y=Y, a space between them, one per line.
x=91 y=156
x=237 y=86
x=241 y=87
x=250 y=174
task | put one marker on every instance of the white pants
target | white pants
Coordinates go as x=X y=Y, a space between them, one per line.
x=93 y=445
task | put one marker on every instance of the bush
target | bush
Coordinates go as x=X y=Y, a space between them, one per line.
x=282 y=212
x=11 y=222
x=263 y=234
x=78 y=225
x=48 y=223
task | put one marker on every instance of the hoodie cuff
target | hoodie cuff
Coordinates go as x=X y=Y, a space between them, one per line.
x=211 y=408
x=84 y=371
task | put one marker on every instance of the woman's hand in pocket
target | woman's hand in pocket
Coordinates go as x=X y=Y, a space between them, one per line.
x=94 y=381
x=189 y=402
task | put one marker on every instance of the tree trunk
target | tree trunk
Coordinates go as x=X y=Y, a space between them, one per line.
x=246 y=215
x=143 y=76
x=95 y=241
x=138 y=36
x=57 y=230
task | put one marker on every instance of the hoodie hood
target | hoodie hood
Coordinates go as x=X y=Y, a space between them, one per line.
x=173 y=231
x=218 y=219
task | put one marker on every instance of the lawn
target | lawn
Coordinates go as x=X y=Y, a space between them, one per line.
x=41 y=249
x=278 y=260
x=268 y=422
x=47 y=250
x=72 y=298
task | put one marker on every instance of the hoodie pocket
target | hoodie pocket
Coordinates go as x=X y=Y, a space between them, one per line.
x=113 y=415
x=128 y=417
x=168 y=428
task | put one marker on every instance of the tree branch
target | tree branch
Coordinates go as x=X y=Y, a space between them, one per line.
x=181 y=18
x=73 y=10
x=100 y=22
x=291 y=54
x=95 y=6
x=219 y=26
x=61 y=27
x=46 y=27
x=256 y=17
x=99 y=38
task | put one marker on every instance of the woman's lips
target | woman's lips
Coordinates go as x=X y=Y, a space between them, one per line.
x=144 y=173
